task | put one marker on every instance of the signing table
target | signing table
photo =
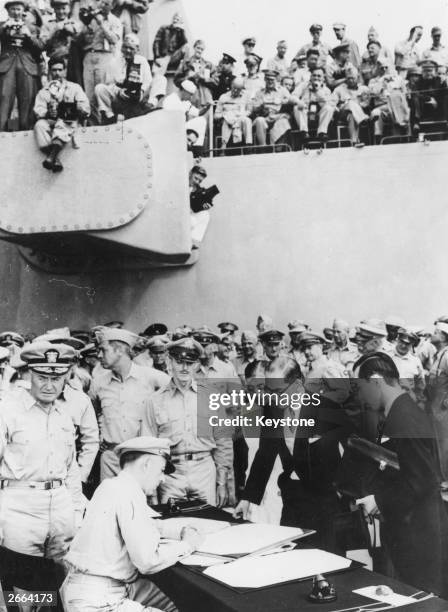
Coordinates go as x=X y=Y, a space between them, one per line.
x=194 y=592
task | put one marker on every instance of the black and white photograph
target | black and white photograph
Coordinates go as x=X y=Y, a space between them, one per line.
x=223 y=306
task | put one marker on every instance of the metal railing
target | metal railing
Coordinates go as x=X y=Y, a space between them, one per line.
x=224 y=151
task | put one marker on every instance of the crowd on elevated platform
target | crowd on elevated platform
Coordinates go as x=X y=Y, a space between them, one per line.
x=324 y=90
x=73 y=402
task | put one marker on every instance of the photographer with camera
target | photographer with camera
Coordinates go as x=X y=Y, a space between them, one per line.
x=129 y=94
x=58 y=108
x=201 y=200
x=100 y=40
x=59 y=34
x=21 y=49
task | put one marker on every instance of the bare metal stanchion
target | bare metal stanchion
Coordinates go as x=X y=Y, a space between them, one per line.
x=211 y=136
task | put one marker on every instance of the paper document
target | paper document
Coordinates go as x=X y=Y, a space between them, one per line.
x=393 y=599
x=203 y=525
x=256 y=572
x=202 y=560
x=248 y=538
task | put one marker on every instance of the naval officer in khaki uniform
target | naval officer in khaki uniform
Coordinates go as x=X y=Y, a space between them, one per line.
x=40 y=485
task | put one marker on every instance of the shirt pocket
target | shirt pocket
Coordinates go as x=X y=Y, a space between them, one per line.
x=170 y=424
x=118 y=428
x=64 y=442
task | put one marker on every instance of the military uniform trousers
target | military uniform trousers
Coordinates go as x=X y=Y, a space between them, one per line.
x=98 y=67
x=37 y=522
x=277 y=126
x=87 y=593
x=192 y=479
x=325 y=115
x=17 y=83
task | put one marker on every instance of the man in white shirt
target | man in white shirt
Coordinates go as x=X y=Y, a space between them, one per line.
x=181 y=100
x=120 y=538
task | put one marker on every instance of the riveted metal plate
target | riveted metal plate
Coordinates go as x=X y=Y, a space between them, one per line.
x=104 y=185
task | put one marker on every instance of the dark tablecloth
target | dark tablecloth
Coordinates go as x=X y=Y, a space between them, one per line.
x=193 y=592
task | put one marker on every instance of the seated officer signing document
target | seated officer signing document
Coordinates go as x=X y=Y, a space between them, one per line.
x=120 y=539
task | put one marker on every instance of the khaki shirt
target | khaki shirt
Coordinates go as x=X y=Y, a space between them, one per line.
x=38 y=444
x=329 y=379
x=181 y=418
x=272 y=100
x=346 y=356
x=412 y=375
x=123 y=403
x=79 y=407
x=119 y=536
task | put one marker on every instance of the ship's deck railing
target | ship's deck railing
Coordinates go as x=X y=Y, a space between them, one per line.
x=429 y=131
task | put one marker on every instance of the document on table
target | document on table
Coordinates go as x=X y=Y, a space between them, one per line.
x=248 y=538
x=393 y=599
x=256 y=572
x=203 y=525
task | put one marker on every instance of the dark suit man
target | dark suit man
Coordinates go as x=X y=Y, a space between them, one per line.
x=413 y=519
x=19 y=65
x=309 y=460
